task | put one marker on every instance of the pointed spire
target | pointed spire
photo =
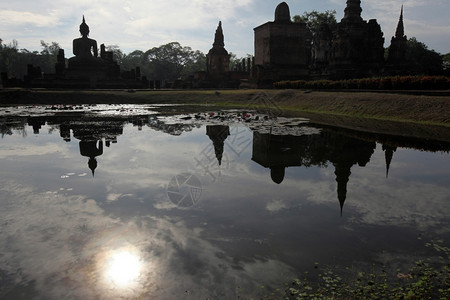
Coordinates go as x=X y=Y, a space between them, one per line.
x=218 y=134
x=342 y=172
x=218 y=38
x=400 y=32
x=388 y=154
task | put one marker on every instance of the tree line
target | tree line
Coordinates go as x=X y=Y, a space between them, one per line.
x=167 y=62
x=173 y=61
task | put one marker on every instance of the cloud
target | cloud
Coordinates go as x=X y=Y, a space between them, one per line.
x=60 y=241
x=10 y=17
x=40 y=232
x=276 y=205
x=62 y=244
x=143 y=24
x=422 y=19
x=39 y=150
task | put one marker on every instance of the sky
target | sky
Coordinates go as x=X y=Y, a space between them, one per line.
x=144 y=24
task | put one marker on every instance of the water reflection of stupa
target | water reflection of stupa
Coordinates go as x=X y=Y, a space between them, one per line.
x=218 y=134
x=278 y=152
x=388 y=154
x=344 y=152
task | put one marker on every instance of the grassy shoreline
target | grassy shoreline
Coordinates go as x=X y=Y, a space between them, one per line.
x=422 y=116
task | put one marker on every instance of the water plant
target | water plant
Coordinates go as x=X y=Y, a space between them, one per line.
x=425 y=279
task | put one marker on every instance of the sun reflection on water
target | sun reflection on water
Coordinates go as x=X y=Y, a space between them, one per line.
x=123 y=268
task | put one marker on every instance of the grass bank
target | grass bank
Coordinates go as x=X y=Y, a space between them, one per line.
x=422 y=116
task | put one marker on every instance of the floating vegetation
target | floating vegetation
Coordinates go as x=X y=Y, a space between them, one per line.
x=426 y=279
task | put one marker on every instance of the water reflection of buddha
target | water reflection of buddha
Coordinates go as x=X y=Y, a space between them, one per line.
x=91 y=150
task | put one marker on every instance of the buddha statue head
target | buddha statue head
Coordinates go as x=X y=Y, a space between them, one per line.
x=84 y=28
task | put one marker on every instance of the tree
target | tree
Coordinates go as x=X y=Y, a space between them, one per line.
x=9 y=55
x=197 y=63
x=446 y=63
x=133 y=60
x=49 y=49
x=168 y=61
x=14 y=61
x=314 y=20
x=423 y=60
x=235 y=62
x=118 y=55
x=47 y=58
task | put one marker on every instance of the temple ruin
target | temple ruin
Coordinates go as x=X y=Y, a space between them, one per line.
x=353 y=49
x=218 y=73
x=87 y=69
x=282 y=49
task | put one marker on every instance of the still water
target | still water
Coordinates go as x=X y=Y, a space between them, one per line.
x=125 y=202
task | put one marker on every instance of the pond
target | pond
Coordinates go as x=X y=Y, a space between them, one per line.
x=141 y=201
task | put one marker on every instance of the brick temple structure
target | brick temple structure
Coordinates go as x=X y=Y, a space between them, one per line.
x=282 y=49
x=353 y=49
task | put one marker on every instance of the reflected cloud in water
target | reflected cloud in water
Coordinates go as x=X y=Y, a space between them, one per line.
x=270 y=206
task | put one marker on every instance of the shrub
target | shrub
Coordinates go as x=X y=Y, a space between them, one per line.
x=374 y=83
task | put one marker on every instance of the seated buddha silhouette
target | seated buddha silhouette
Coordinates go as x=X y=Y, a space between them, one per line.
x=84 y=48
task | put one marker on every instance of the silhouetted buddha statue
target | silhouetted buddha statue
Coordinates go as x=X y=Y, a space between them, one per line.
x=84 y=48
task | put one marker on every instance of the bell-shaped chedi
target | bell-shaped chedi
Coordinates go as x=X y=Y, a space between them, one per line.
x=282 y=13
x=282 y=49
